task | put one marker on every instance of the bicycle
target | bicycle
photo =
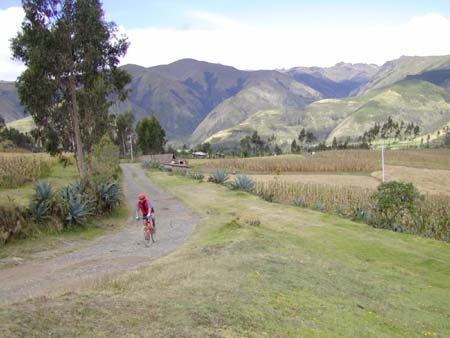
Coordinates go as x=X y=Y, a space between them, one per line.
x=149 y=231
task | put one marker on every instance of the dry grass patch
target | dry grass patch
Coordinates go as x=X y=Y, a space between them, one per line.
x=430 y=181
x=350 y=181
x=365 y=161
x=19 y=169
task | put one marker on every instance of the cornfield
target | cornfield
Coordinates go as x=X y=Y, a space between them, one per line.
x=431 y=218
x=330 y=161
x=18 y=169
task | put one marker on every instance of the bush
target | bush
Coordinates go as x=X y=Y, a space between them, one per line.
x=196 y=176
x=104 y=160
x=393 y=200
x=243 y=183
x=12 y=221
x=219 y=177
x=148 y=164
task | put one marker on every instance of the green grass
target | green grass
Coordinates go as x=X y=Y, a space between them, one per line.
x=58 y=178
x=24 y=125
x=298 y=273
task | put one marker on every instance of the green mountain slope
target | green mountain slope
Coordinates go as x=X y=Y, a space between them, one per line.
x=399 y=69
x=10 y=107
x=264 y=90
x=421 y=102
x=412 y=100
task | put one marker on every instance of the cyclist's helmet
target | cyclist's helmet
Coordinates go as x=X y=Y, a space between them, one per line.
x=141 y=197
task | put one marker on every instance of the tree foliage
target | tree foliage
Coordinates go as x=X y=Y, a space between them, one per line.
x=123 y=129
x=71 y=56
x=394 y=198
x=151 y=136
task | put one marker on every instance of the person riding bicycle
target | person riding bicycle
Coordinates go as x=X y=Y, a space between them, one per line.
x=146 y=208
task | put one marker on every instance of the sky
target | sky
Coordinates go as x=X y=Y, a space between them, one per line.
x=263 y=34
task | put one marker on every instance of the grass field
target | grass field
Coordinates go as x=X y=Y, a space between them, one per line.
x=24 y=125
x=258 y=269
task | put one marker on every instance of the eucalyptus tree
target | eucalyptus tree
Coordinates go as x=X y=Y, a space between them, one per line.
x=72 y=77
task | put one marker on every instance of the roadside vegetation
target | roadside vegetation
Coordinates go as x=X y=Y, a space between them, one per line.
x=259 y=269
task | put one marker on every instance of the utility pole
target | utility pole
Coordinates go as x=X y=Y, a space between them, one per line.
x=131 y=147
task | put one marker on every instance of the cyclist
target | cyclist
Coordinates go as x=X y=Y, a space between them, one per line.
x=146 y=208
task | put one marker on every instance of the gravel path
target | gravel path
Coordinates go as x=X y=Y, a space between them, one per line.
x=108 y=255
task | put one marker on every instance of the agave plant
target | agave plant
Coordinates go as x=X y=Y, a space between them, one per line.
x=43 y=191
x=77 y=210
x=219 y=177
x=39 y=210
x=243 y=183
x=298 y=202
x=108 y=195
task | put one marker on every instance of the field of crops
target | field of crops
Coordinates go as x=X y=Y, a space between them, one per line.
x=431 y=218
x=19 y=169
x=365 y=161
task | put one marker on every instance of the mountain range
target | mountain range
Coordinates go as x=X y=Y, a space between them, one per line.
x=198 y=101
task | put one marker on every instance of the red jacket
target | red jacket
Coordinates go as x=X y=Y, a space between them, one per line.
x=144 y=206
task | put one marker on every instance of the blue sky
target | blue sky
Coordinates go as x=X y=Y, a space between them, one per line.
x=265 y=34
x=160 y=13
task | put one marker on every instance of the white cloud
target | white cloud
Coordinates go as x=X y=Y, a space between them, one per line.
x=10 y=21
x=229 y=42
x=215 y=38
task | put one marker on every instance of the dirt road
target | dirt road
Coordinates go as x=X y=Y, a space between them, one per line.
x=108 y=255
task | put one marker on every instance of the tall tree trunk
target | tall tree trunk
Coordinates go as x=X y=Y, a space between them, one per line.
x=72 y=87
x=76 y=129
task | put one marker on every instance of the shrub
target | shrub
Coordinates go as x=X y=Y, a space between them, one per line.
x=12 y=221
x=148 y=164
x=196 y=176
x=219 y=177
x=393 y=199
x=243 y=183
x=104 y=160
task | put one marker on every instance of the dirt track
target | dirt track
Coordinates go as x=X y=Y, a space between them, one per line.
x=108 y=255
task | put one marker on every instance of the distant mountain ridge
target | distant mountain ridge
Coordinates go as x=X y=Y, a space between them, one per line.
x=197 y=101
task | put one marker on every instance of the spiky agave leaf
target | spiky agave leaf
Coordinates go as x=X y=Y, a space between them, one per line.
x=77 y=210
x=219 y=176
x=243 y=183
x=43 y=191
x=108 y=194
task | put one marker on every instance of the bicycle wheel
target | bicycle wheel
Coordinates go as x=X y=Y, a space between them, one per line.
x=146 y=235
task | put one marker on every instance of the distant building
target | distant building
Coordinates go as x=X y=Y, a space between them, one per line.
x=199 y=154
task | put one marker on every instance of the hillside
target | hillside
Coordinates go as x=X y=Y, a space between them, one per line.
x=412 y=100
x=399 y=69
x=180 y=94
x=264 y=90
x=337 y=81
x=10 y=107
